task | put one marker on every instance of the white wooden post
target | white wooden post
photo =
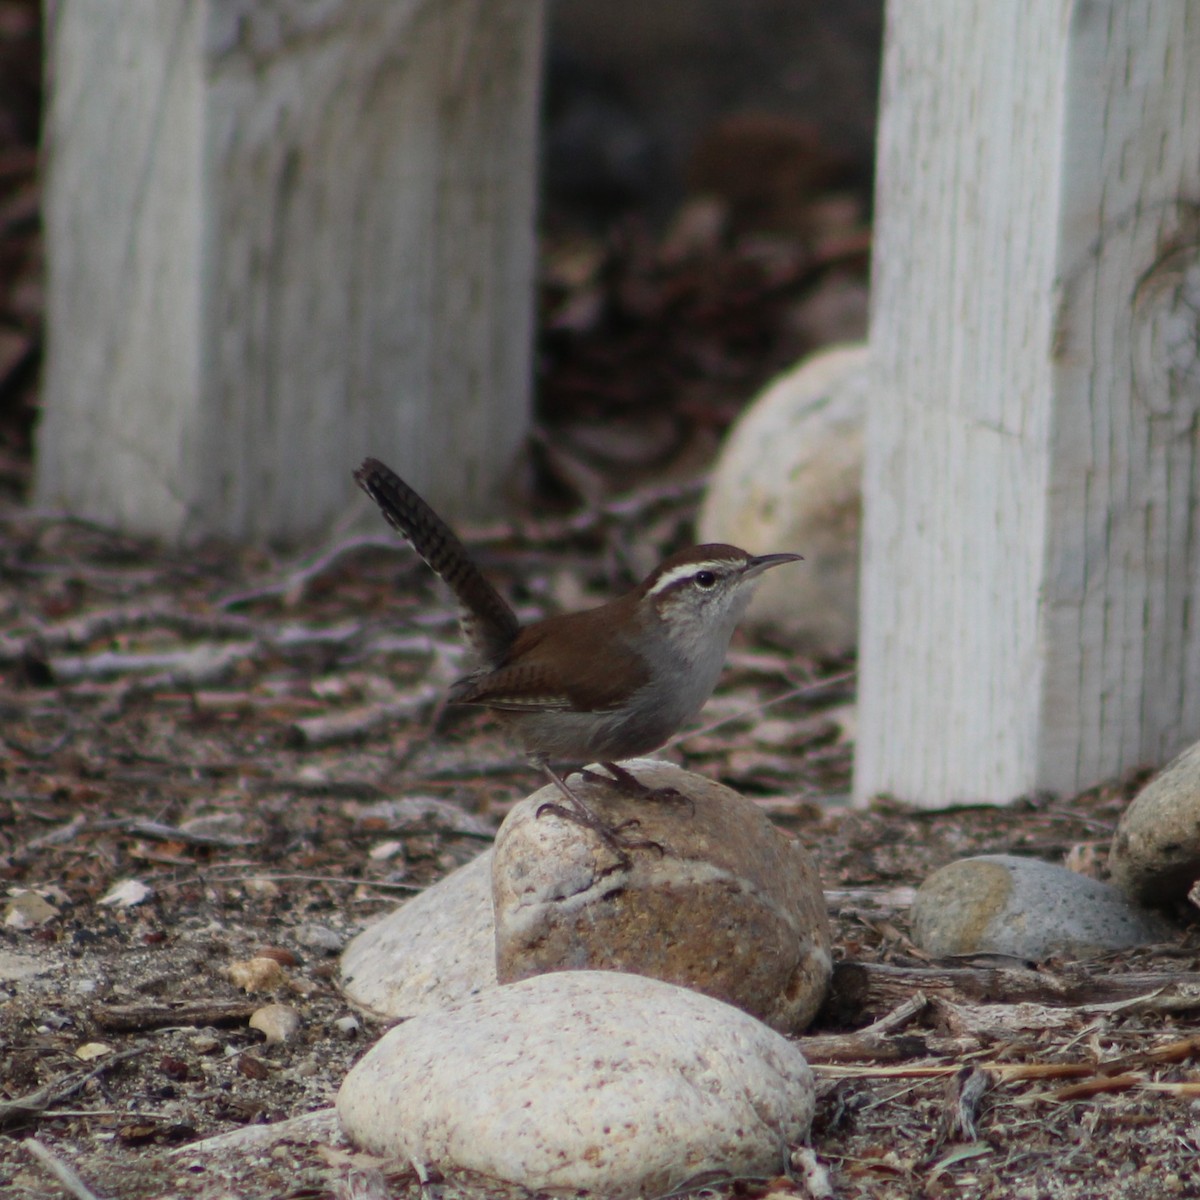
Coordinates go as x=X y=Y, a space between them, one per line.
x=281 y=236
x=1031 y=575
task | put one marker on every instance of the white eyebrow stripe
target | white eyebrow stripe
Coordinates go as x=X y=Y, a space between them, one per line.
x=718 y=566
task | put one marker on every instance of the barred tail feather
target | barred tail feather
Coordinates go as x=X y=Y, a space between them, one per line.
x=488 y=622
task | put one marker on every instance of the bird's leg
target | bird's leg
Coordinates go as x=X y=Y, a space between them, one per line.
x=582 y=815
x=630 y=785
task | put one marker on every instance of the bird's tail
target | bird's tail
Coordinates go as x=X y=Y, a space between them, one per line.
x=488 y=623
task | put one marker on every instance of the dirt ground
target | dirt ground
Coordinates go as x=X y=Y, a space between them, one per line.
x=197 y=755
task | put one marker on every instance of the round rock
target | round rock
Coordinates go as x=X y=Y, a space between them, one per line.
x=790 y=478
x=435 y=950
x=1002 y=904
x=1155 y=855
x=726 y=904
x=278 y=1023
x=618 y=1084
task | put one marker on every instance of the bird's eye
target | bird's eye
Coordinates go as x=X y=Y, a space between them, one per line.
x=705 y=579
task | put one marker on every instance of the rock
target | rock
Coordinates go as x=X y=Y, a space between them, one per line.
x=257 y=974
x=622 y=1085
x=435 y=950
x=278 y=1023
x=27 y=910
x=320 y=937
x=1155 y=855
x=730 y=907
x=348 y=1026
x=1002 y=904
x=789 y=478
x=835 y=311
x=90 y=1051
x=16 y=968
x=127 y=894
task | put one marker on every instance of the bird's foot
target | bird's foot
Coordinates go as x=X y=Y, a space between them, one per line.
x=576 y=810
x=613 y=836
x=628 y=784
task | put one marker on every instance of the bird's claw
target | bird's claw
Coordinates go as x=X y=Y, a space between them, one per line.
x=609 y=834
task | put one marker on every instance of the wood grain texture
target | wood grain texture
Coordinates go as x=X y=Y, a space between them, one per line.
x=281 y=236
x=1031 y=553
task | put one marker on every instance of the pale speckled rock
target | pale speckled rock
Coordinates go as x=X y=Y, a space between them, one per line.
x=731 y=907
x=435 y=950
x=278 y=1023
x=622 y=1085
x=790 y=478
x=15 y=968
x=1155 y=855
x=1002 y=904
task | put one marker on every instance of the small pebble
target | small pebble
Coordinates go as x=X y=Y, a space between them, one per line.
x=27 y=910
x=174 y=1068
x=92 y=1050
x=347 y=1026
x=256 y=974
x=252 y=1067
x=385 y=851
x=278 y=1023
x=126 y=894
x=320 y=937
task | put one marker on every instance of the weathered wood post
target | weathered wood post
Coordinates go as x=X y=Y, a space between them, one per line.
x=281 y=236
x=1031 y=583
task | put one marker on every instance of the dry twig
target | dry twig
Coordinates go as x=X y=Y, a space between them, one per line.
x=36 y=1102
x=131 y=1018
x=345 y=726
x=878 y=1041
x=862 y=988
x=63 y=1172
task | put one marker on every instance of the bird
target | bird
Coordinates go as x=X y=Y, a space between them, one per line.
x=604 y=684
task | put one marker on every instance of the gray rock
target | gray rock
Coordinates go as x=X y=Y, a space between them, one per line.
x=15 y=968
x=435 y=950
x=790 y=478
x=619 y=1084
x=1002 y=904
x=730 y=906
x=27 y=910
x=1155 y=855
x=320 y=937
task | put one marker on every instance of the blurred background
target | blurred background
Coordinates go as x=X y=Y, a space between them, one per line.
x=704 y=218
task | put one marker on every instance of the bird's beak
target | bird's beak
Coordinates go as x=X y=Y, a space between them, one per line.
x=762 y=562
